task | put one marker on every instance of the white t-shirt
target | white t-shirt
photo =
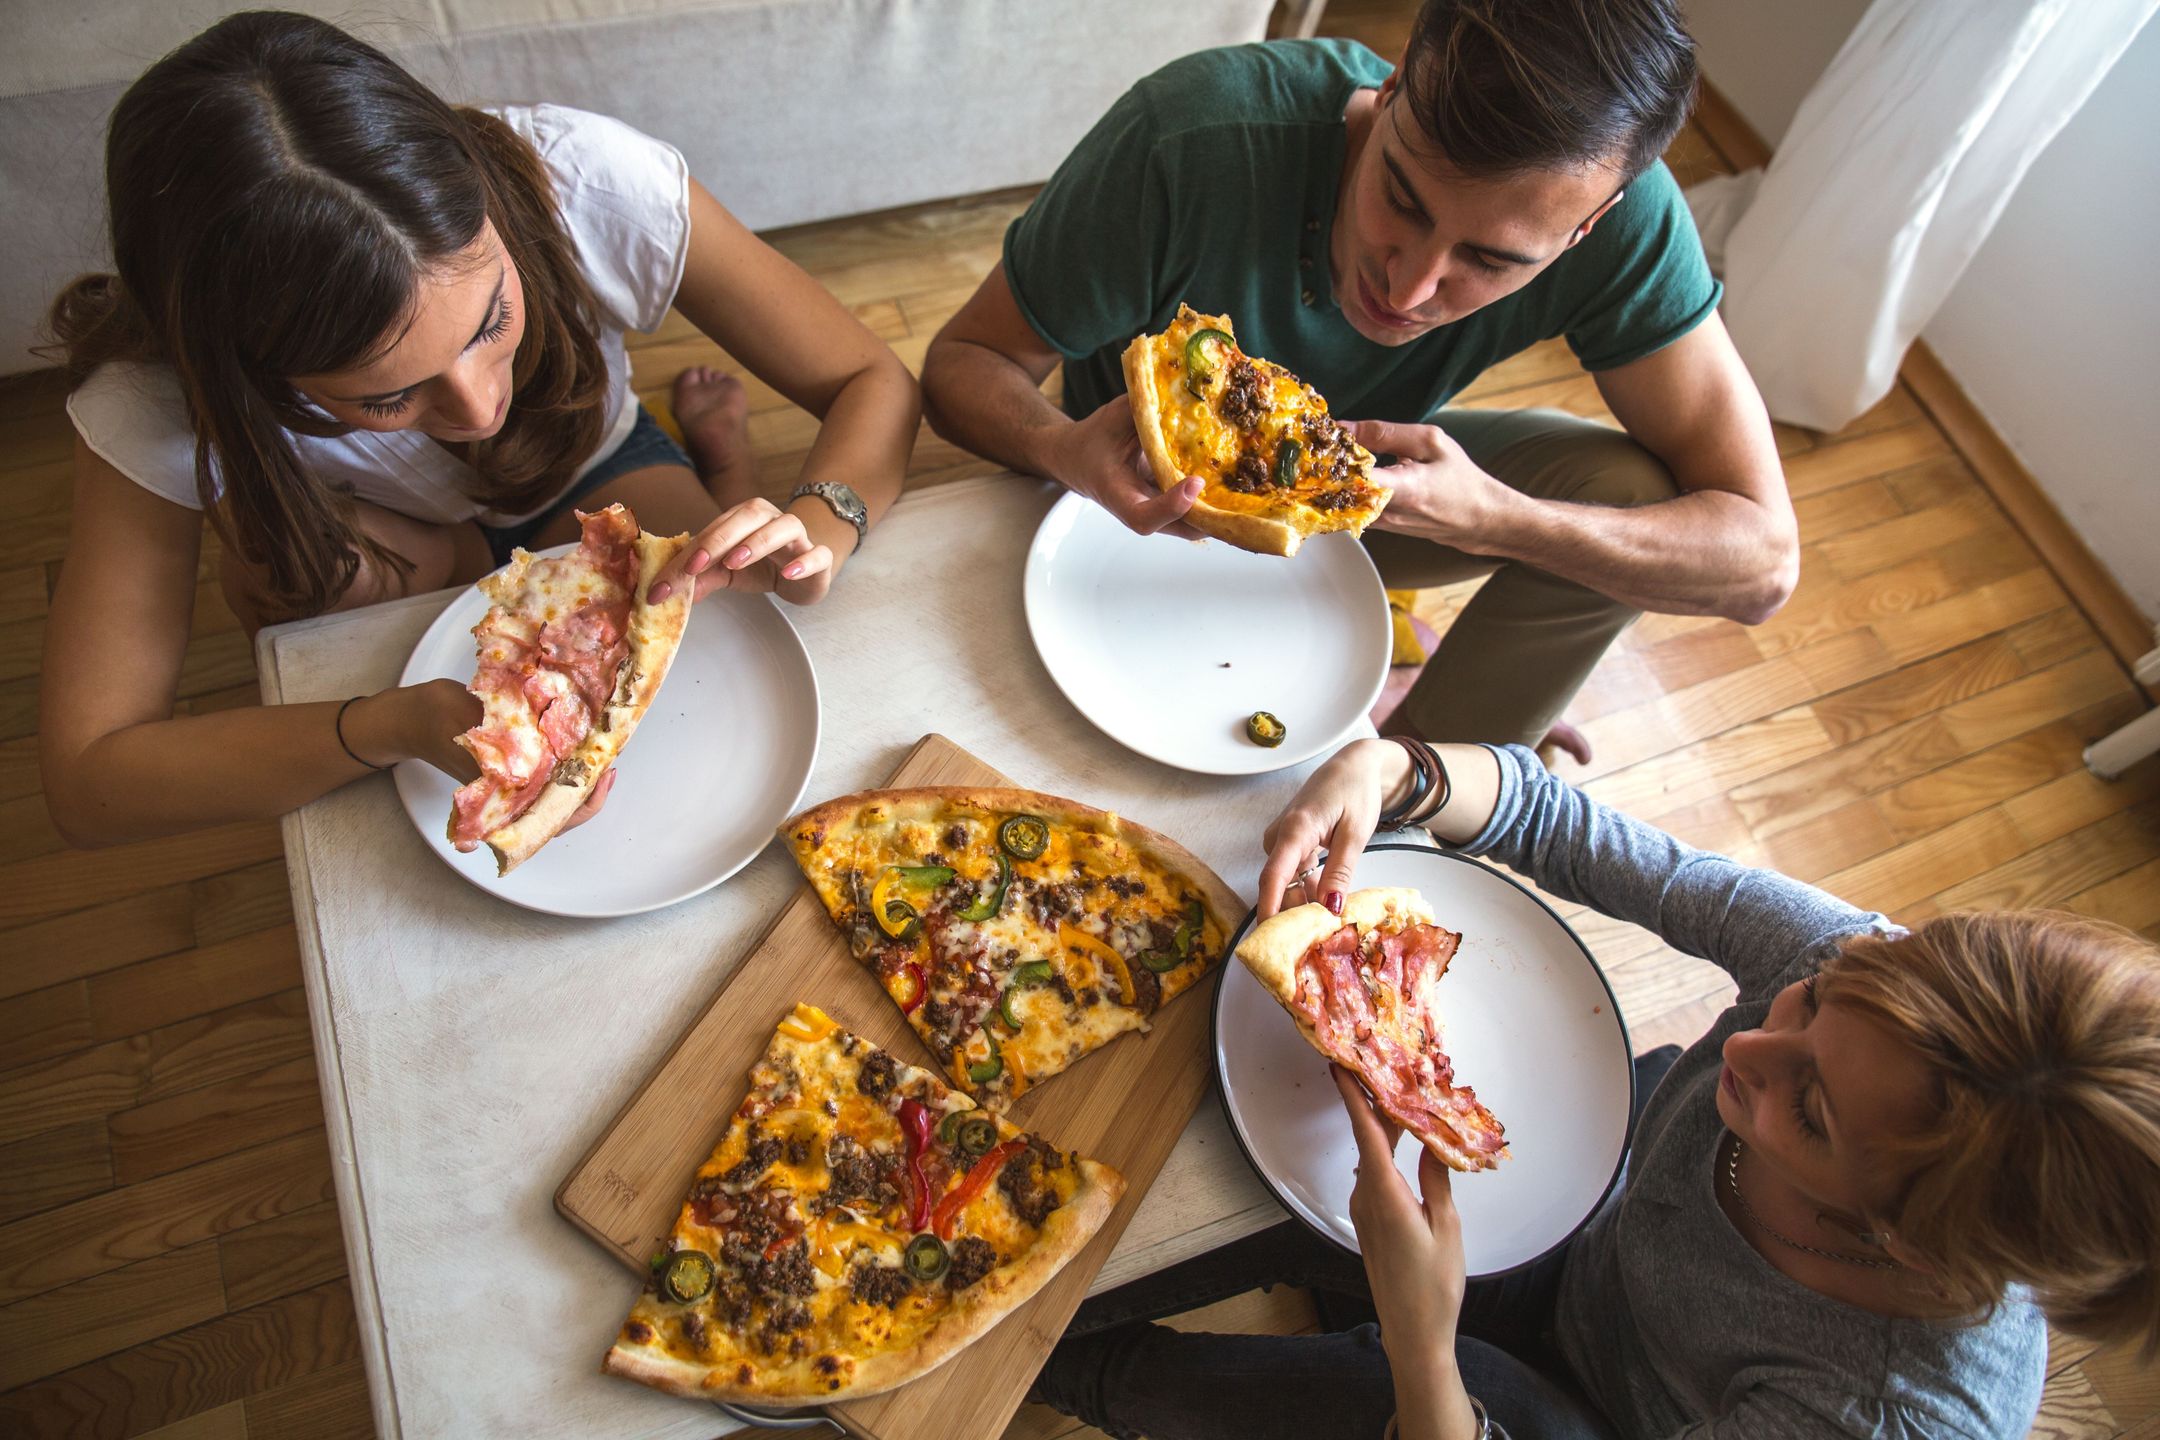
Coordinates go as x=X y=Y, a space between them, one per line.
x=624 y=198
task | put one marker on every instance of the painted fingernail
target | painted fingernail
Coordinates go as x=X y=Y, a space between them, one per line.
x=659 y=593
x=1334 y=901
x=739 y=558
x=698 y=561
x=793 y=571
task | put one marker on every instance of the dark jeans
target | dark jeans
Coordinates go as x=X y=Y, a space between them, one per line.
x=1129 y=1377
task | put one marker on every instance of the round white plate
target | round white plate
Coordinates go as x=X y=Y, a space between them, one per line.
x=1168 y=647
x=717 y=763
x=1530 y=1024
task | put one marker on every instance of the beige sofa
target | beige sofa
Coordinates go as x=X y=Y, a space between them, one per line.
x=789 y=110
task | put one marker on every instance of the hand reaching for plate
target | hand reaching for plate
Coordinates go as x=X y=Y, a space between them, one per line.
x=1334 y=810
x=1100 y=458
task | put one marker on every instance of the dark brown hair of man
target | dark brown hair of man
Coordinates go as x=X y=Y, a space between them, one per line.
x=1501 y=87
x=277 y=193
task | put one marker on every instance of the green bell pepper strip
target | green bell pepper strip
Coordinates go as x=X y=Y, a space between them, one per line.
x=1031 y=972
x=924 y=877
x=986 y=907
x=982 y=1072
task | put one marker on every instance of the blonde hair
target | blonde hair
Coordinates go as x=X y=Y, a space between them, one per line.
x=2042 y=1030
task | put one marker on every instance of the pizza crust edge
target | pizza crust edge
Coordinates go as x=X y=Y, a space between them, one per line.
x=655 y=633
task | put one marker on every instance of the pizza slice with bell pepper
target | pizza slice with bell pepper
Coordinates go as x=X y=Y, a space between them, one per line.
x=858 y=1225
x=1018 y=932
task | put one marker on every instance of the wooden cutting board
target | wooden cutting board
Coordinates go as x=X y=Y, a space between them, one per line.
x=1125 y=1105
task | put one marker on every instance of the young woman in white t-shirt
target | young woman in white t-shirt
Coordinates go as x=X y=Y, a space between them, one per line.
x=379 y=340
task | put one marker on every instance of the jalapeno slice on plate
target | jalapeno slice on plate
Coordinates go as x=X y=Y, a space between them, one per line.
x=1263 y=728
x=925 y=1257
x=687 y=1275
x=1024 y=837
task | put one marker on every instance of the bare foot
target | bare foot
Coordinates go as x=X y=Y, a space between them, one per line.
x=1564 y=738
x=713 y=409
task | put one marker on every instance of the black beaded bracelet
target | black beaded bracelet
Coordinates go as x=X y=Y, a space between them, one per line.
x=340 y=727
x=1421 y=783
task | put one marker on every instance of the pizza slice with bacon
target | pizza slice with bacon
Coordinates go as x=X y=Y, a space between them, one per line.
x=1364 y=989
x=571 y=654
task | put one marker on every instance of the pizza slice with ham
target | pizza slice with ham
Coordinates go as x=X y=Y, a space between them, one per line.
x=571 y=655
x=1364 y=989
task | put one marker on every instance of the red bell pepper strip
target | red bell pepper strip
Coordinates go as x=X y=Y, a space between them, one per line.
x=916 y=1123
x=920 y=988
x=978 y=1179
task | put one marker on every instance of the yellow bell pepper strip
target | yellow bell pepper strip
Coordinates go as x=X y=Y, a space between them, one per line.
x=985 y=907
x=808 y=1023
x=978 y=1179
x=1102 y=954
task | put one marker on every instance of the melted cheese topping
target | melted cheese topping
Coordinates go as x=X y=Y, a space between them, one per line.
x=804 y=1095
x=967 y=966
x=1207 y=445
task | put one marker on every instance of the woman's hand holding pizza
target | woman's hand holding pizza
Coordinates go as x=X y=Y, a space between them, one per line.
x=1335 y=810
x=1100 y=458
x=1415 y=1264
x=421 y=722
x=754 y=546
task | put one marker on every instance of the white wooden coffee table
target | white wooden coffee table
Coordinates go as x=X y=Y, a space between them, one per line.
x=472 y=1051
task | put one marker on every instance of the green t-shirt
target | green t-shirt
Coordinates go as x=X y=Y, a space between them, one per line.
x=1213 y=182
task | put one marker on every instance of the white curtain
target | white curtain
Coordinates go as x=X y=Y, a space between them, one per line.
x=1894 y=171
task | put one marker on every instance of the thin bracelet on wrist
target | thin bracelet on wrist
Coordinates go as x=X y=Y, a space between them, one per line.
x=1421 y=782
x=342 y=743
x=1442 y=790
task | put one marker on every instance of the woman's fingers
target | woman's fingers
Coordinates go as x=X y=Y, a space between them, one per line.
x=1374 y=1141
x=712 y=545
x=1293 y=838
x=1344 y=847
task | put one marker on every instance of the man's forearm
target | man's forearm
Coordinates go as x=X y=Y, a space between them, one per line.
x=1706 y=552
x=981 y=401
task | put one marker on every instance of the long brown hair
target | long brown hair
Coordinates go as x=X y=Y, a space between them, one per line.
x=277 y=193
x=2042 y=1030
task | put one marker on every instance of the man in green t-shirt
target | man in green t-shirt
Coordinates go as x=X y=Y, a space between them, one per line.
x=1389 y=233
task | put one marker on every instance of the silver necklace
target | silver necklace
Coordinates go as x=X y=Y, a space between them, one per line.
x=1732 y=1178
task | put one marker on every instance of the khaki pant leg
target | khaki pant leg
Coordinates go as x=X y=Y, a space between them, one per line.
x=1526 y=642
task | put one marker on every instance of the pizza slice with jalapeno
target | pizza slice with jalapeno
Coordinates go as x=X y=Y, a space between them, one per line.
x=858 y=1225
x=1363 y=988
x=1017 y=931
x=1275 y=466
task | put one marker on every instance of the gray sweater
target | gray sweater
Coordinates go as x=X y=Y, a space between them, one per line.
x=1670 y=1320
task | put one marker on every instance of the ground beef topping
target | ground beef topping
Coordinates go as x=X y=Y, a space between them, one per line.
x=1021 y=1180
x=972 y=1258
x=785 y=1274
x=877 y=1076
x=885 y=1285
x=1249 y=476
x=1244 y=397
x=764 y=1149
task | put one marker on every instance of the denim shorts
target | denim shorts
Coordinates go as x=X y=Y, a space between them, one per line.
x=646 y=445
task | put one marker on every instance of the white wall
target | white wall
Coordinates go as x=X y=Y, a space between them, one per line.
x=2054 y=330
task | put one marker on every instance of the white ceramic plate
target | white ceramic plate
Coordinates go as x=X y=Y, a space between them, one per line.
x=1168 y=647
x=717 y=763
x=1530 y=1024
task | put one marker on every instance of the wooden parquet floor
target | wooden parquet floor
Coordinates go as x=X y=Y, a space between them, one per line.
x=1906 y=732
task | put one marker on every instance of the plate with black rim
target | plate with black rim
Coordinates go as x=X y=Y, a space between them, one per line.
x=1530 y=1023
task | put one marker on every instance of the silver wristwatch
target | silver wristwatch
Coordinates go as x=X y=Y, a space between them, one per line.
x=844 y=501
